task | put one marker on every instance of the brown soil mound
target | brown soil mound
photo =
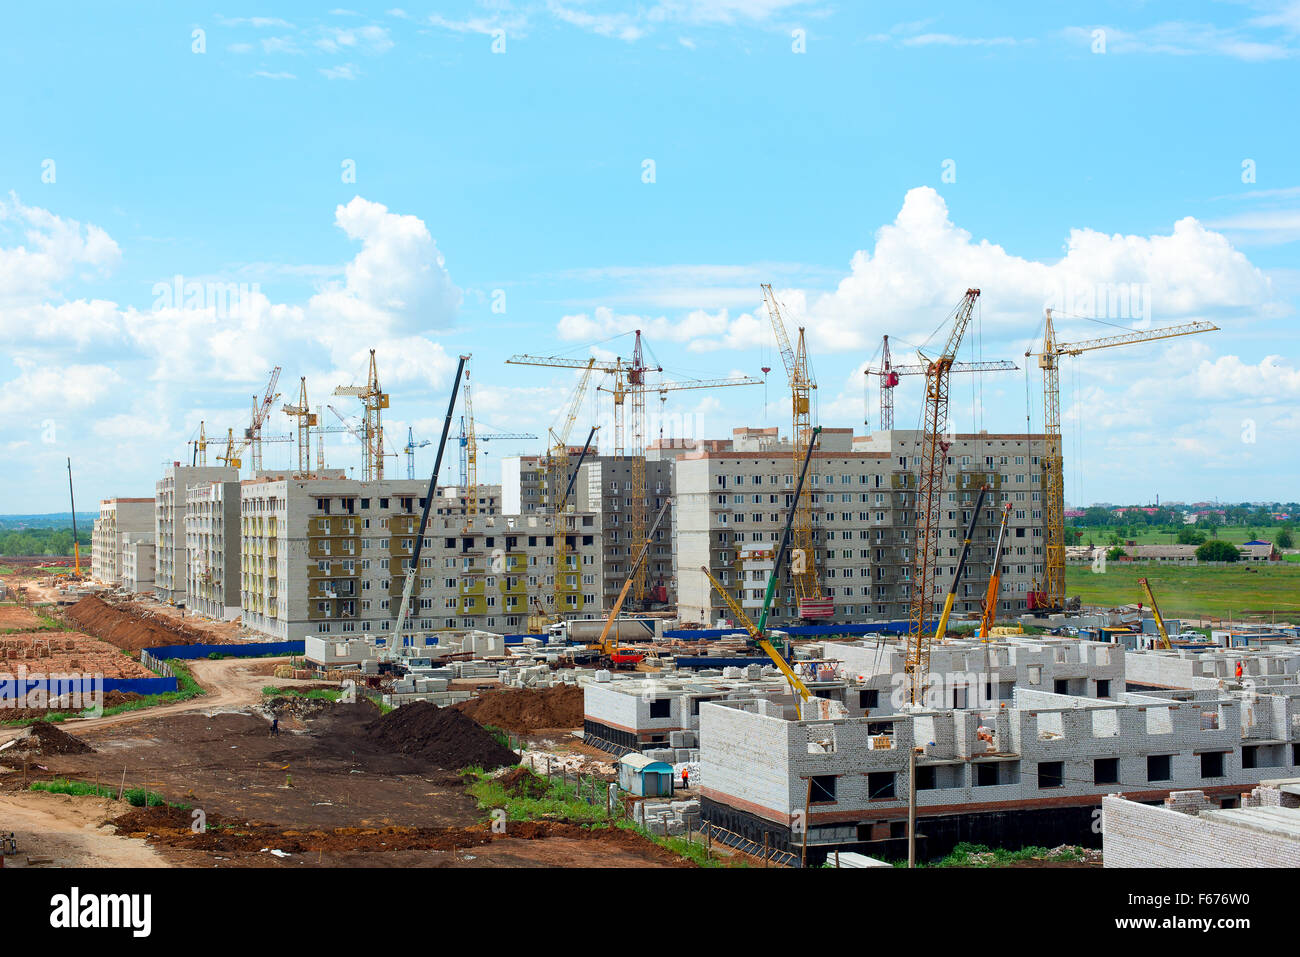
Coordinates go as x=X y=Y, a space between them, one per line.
x=45 y=739
x=114 y=698
x=522 y=782
x=130 y=628
x=442 y=736
x=560 y=706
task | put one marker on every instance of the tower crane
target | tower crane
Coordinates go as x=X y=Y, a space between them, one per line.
x=200 y=455
x=1051 y=597
x=928 y=493
x=306 y=420
x=807 y=587
x=470 y=452
x=231 y=458
x=890 y=376
x=253 y=434
x=411 y=446
x=373 y=401
x=480 y=437
x=631 y=380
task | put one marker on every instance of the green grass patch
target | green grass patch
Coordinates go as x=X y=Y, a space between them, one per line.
x=1193 y=591
x=136 y=797
x=558 y=800
x=316 y=694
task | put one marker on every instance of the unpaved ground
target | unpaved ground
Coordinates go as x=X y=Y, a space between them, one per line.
x=320 y=792
x=16 y=617
x=71 y=831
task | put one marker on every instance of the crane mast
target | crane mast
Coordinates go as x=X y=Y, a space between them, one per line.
x=373 y=401
x=803 y=566
x=1051 y=597
x=928 y=492
x=306 y=419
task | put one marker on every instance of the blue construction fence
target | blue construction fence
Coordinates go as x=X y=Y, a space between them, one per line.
x=87 y=686
x=259 y=649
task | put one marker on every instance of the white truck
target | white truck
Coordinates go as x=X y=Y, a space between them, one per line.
x=584 y=631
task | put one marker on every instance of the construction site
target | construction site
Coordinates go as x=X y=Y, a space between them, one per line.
x=819 y=650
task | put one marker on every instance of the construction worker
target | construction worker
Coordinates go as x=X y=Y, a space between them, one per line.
x=686 y=779
x=1238 y=669
x=275 y=727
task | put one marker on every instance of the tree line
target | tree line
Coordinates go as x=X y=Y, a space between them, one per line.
x=43 y=541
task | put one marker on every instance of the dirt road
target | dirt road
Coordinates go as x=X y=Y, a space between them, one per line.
x=231 y=684
x=68 y=831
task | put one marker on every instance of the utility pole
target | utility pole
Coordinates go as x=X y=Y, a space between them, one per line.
x=911 y=803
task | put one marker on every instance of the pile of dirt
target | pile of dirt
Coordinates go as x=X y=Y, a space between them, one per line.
x=129 y=627
x=525 y=710
x=442 y=736
x=43 y=738
x=114 y=698
x=522 y=782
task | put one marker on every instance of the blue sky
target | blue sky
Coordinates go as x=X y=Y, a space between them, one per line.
x=908 y=151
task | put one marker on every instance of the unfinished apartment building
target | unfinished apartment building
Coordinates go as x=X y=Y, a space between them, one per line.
x=730 y=509
x=137 y=566
x=329 y=557
x=120 y=520
x=171 y=555
x=1030 y=771
x=603 y=488
x=212 y=549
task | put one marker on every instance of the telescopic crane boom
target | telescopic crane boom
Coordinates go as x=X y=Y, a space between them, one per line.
x=413 y=572
x=1155 y=613
x=609 y=649
x=758 y=632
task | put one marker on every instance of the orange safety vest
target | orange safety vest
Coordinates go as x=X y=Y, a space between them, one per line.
x=1238 y=669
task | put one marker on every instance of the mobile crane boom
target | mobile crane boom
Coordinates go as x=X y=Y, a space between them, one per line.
x=1155 y=612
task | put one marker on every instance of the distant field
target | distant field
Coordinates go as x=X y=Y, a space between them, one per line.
x=1194 y=592
x=1231 y=534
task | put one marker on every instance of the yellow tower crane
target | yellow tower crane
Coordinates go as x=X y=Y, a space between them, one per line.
x=1051 y=596
x=201 y=447
x=803 y=568
x=231 y=458
x=929 y=491
x=307 y=420
x=373 y=400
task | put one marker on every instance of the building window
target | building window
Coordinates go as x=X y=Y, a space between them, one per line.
x=822 y=789
x=1105 y=771
x=1212 y=764
x=880 y=784
x=1159 y=767
x=1051 y=774
x=661 y=708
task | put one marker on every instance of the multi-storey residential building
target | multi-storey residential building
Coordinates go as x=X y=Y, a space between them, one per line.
x=730 y=508
x=212 y=547
x=330 y=556
x=172 y=555
x=605 y=488
x=119 y=519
